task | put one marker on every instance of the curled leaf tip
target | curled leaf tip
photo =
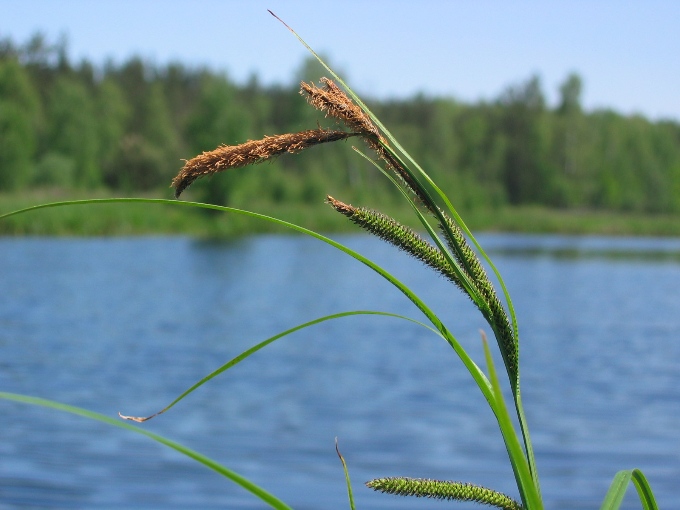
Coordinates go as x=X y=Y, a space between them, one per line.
x=140 y=419
x=337 y=450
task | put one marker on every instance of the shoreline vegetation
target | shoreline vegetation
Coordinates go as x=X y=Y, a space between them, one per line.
x=140 y=219
x=78 y=130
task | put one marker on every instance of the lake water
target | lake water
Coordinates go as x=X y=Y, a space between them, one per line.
x=127 y=324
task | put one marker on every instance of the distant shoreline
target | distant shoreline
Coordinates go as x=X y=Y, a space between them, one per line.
x=148 y=219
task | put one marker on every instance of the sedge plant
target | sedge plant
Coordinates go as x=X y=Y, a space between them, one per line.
x=449 y=248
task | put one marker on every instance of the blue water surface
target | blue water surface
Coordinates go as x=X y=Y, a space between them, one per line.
x=126 y=324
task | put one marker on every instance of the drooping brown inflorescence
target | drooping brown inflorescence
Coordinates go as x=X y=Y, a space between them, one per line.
x=335 y=103
x=251 y=152
x=329 y=99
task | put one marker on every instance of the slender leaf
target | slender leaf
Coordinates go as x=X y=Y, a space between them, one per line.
x=247 y=353
x=644 y=490
x=531 y=498
x=619 y=487
x=198 y=457
x=350 y=495
x=617 y=490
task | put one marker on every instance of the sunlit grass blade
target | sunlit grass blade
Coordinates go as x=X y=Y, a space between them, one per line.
x=617 y=490
x=644 y=490
x=350 y=495
x=531 y=498
x=514 y=378
x=247 y=353
x=619 y=487
x=198 y=457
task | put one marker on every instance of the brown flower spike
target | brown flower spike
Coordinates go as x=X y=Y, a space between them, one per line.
x=251 y=152
x=332 y=100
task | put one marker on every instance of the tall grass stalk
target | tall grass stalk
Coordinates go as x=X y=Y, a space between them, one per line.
x=450 y=249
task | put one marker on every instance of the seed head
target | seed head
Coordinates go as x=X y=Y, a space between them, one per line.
x=332 y=100
x=251 y=152
x=438 y=489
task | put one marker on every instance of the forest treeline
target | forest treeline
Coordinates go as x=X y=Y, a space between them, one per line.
x=127 y=127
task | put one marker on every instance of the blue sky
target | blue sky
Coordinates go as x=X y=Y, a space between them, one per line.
x=626 y=52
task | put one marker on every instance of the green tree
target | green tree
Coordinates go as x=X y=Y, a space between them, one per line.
x=45 y=61
x=20 y=111
x=149 y=150
x=525 y=123
x=158 y=129
x=645 y=147
x=482 y=153
x=570 y=94
x=113 y=114
x=73 y=129
x=619 y=174
x=573 y=181
x=666 y=145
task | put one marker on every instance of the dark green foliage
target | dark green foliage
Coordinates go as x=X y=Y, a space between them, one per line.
x=72 y=130
x=19 y=125
x=128 y=127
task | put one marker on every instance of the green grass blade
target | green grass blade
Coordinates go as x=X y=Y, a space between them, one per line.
x=619 y=487
x=524 y=427
x=531 y=498
x=470 y=365
x=350 y=495
x=644 y=490
x=247 y=353
x=617 y=490
x=198 y=457
x=94 y=201
x=454 y=213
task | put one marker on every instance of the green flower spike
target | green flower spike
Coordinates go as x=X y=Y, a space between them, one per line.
x=437 y=489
